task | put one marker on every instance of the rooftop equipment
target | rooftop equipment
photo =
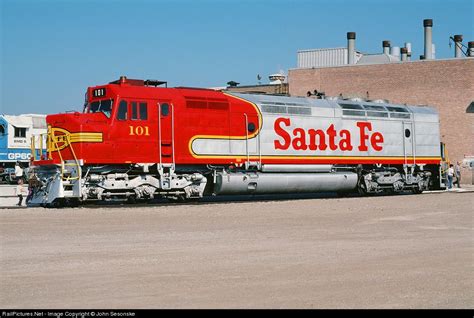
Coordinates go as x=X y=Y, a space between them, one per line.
x=351 y=47
x=458 y=46
x=404 y=53
x=408 y=46
x=386 y=47
x=428 y=25
x=395 y=51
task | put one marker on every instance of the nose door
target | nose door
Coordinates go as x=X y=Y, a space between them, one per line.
x=166 y=133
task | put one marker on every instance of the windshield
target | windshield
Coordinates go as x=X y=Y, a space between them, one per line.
x=104 y=106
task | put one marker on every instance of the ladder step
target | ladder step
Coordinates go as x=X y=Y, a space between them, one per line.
x=68 y=193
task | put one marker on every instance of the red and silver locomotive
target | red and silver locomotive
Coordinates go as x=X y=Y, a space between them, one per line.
x=136 y=140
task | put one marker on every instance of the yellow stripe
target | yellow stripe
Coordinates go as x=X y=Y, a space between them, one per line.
x=67 y=138
x=312 y=157
x=260 y=126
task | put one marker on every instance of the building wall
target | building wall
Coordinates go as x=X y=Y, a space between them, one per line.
x=447 y=85
x=262 y=89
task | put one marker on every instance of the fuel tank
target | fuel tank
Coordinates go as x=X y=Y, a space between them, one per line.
x=265 y=183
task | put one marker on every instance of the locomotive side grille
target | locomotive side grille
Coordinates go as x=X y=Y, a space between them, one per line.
x=196 y=104
x=218 y=105
x=299 y=110
x=358 y=113
x=285 y=108
x=356 y=110
x=211 y=103
x=400 y=115
x=273 y=109
x=377 y=114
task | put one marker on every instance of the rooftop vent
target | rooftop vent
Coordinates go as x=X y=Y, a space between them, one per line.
x=138 y=82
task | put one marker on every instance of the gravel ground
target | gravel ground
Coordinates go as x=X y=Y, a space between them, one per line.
x=405 y=251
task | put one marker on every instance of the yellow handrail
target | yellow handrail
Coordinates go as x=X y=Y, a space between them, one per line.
x=41 y=146
x=75 y=159
x=32 y=147
x=52 y=140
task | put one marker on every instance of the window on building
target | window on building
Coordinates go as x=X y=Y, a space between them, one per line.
x=20 y=132
x=2 y=130
x=122 y=110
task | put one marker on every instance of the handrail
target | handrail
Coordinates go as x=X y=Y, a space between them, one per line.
x=405 y=160
x=247 y=139
x=32 y=147
x=60 y=156
x=259 y=151
x=62 y=160
x=75 y=159
x=172 y=134
x=159 y=132
x=41 y=145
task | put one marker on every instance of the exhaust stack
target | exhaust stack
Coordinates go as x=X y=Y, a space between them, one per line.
x=386 y=47
x=351 y=47
x=395 y=51
x=408 y=46
x=458 y=45
x=428 y=25
x=404 y=51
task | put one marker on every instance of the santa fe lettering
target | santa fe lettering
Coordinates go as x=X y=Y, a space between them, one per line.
x=319 y=139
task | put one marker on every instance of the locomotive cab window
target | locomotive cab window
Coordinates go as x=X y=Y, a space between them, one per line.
x=134 y=112
x=138 y=111
x=122 y=110
x=143 y=111
x=103 y=106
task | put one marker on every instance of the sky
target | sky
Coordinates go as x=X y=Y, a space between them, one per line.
x=52 y=50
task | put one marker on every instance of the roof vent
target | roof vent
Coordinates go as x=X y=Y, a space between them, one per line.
x=355 y=99
x=379 y=101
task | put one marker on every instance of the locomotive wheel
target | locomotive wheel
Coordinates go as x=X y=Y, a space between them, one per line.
x=131 y=200
x=416 y=190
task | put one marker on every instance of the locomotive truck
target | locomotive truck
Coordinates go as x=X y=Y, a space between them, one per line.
x=139 y=140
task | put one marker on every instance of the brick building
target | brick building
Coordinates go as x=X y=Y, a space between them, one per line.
x=447 y=85
x=273 y=89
